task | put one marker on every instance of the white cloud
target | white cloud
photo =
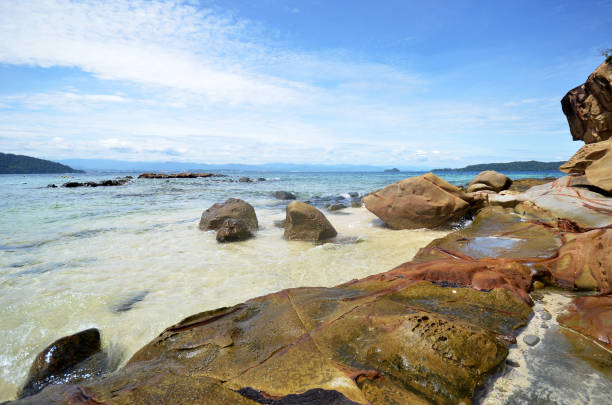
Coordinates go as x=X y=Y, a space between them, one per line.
x=184 y=83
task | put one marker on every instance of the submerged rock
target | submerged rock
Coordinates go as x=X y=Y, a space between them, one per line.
x=591 y=316
x=336 y=207
x=588 y=107
x=233 y=208
x=531 y=340
x=305 y=222
x=65 y=361
x=489 y=180
x=425 y=201
x=284 y=195
x=245 y=180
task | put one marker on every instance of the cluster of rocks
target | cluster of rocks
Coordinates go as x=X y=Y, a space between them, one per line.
x=185 y=175
x=429 y=331
x=236 y=220
x=103 y=183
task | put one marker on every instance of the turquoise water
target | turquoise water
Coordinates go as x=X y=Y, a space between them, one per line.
x=70 y=257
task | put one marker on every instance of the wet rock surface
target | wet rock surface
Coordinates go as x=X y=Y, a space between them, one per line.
x=305 y=222
x=103 y=183
x=67 y=360
x=377 y=340
x=425 y=201
x=592 y=317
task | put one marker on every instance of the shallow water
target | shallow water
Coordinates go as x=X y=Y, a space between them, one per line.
x=131 y=261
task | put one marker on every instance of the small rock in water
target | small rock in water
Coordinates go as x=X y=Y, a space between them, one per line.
x=336 y=207
x=531 y=340
x=545 y=315
x=69 y=359
x=538 y=285
x=284 y=195
x=245 y=180
x=261 y=179
x=130 y=301
x=512 y=363
x=51 y=186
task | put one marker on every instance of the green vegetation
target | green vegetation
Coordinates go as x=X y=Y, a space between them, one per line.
x=607 y=53
x=528 y=166
x=18 y=164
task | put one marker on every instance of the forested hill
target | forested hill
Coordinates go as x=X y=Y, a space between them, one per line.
x=526 y=166
x=18 y=164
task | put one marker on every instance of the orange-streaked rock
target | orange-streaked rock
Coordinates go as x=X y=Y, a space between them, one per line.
x=592 y=317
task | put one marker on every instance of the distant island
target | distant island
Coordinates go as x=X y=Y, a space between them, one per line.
x=525 y=166
x=394 y=170
x=19 y=164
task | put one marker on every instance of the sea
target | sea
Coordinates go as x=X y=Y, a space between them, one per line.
x=130 y=260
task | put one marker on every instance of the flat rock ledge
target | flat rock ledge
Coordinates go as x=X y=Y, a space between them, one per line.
x=185 y=175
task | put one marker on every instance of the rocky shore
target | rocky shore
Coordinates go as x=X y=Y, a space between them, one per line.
x=432 y=330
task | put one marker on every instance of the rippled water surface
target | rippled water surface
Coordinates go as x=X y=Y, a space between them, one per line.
x=130 y=260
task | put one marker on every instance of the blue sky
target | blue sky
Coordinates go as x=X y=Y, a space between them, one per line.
x=399 y=83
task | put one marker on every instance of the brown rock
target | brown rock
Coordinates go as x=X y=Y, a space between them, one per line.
x=591 y=316
x=54 y=364
x=233 y=208
x=184 y=175
x=585 y=262
x=489 y=180
x=233 y=230
x=305 y=222
x=588 y=107
x=380 y=340
x=522 y=185
x=425 y=201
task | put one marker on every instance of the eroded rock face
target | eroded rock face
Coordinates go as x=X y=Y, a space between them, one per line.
x=562 y=200
x=591 y=316
x=63 y=361
x=305 y=222
x=594 y=161
x=521 y=185
x=489 y=180
x=233 y=208
x=584 y=262
x=588 y=107
x=380 y=340
x=425 y=201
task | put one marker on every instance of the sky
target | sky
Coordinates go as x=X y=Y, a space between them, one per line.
x=391 y=83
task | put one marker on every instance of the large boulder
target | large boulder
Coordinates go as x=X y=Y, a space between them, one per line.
x=489 y=180
x=595 y=162
x=305 y=222
x=425 y=201
x=233 y=208
x=63 y=361
x=588 y=107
